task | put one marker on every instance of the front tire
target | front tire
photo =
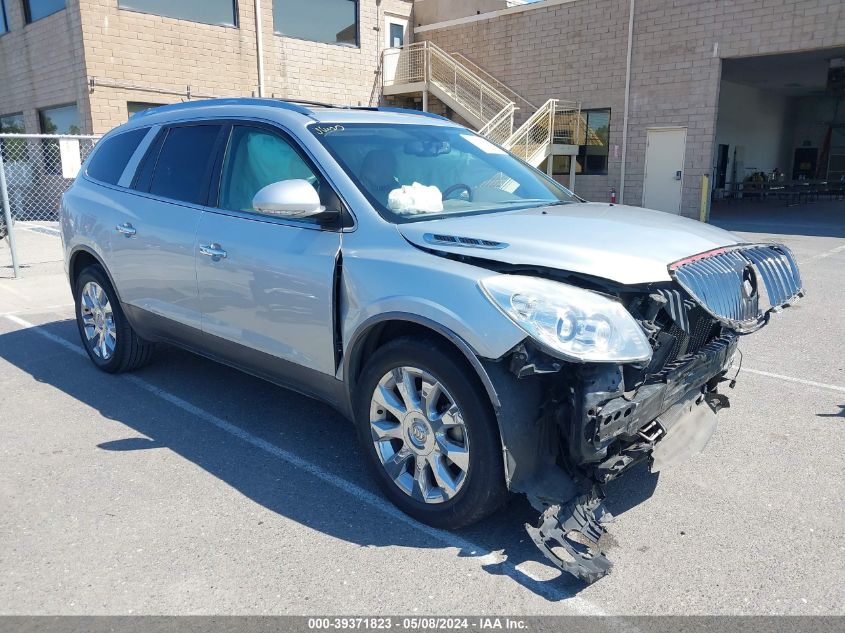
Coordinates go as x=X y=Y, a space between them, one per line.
x=111 y=343
x=429 y=434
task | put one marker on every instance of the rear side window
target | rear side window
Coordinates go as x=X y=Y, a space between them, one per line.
x=183 y=165
x=112 y=155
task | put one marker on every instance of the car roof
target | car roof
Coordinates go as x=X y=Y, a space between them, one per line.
x=281 y=111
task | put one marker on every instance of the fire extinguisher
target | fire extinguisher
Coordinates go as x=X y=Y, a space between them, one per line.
x=613 y=195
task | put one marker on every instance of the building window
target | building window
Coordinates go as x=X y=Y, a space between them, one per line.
x=135 y=107
x=330 y=21
x=4 y=21
x=37 y=9
x=593 y=144
x=58 y=120
x=216 y=12
x=397 y=35
x=14 y=149
x=12 y=123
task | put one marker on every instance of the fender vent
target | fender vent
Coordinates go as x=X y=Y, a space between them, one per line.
x=455 y=240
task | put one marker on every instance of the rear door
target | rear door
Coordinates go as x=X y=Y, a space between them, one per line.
x=266 y=282
x=152 y=258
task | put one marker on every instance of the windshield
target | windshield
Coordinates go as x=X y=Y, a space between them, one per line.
x=412 y=172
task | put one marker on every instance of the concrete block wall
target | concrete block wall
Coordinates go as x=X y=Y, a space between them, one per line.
x=576 y=49
x=169 y=53
x=42 y=64
x=165 y=53
x=49 y=62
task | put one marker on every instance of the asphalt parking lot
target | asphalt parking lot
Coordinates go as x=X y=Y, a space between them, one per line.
x=189 y=488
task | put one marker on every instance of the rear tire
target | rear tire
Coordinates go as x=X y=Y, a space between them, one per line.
x=436 y=454
x=111 y=343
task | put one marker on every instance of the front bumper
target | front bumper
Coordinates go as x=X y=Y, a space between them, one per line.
x=589 y=430
x=608 y=423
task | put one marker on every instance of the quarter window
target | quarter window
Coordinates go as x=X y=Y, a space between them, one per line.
x=330 y=21
x=113 y=154
x=218 y=12
x=37 y=9
x=593 y=144
x=182 y=169
x=254 y=159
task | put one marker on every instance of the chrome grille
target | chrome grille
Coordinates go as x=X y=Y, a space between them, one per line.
x=726 y=282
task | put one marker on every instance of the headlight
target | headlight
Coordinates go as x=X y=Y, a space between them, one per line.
x=570 y=322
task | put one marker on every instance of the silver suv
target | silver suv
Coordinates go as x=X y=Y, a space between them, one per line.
x=487 y=330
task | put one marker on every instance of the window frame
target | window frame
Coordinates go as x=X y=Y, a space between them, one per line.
x=581 y=156
x=27 y=12
x=357 y=43
x=346 y=219
x=235 y=13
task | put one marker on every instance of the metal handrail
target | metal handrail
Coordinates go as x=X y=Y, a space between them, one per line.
x=503 y=88
x=500 y=128
x=425 y=62
x=556 y=121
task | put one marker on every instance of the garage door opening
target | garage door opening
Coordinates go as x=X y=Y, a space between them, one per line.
x=780 y=131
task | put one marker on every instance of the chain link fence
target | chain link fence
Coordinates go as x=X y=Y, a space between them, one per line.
x=36 y=170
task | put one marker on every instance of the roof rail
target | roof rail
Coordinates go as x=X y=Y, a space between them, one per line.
x=431 y=115
x=294 y=106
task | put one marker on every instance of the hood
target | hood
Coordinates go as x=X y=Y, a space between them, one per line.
x=628 y=245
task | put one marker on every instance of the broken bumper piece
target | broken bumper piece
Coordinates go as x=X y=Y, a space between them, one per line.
x=569 y=537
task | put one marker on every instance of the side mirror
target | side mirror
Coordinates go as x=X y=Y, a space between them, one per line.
x=290 y=199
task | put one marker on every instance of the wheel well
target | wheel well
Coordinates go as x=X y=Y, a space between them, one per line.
x=79 y=262
x=382 y=333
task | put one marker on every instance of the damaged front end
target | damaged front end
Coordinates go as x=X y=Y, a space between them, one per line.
x=596 y=419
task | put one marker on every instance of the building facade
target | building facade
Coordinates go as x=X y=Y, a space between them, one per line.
x=577 y=49
x=86 y=65
x=723 y=89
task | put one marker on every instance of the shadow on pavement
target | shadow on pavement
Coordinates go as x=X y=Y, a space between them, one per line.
x=292 y=422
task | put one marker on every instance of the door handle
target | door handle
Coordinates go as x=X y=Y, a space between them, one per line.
x=214 y=251
x=677 y=175
x=126 y=229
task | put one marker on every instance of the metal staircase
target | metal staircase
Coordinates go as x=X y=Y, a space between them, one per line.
x=483 y=101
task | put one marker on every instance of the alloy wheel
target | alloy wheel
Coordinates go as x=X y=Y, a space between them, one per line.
x=98 y=320
x=419 y=435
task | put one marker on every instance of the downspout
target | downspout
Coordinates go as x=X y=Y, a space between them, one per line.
x=259 y=45
x=627 y=99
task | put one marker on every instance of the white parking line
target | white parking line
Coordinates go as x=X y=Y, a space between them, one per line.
x=39 y=309
x=47 y=230
x=481 y=555
x=800 y=381
x=832 y=251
